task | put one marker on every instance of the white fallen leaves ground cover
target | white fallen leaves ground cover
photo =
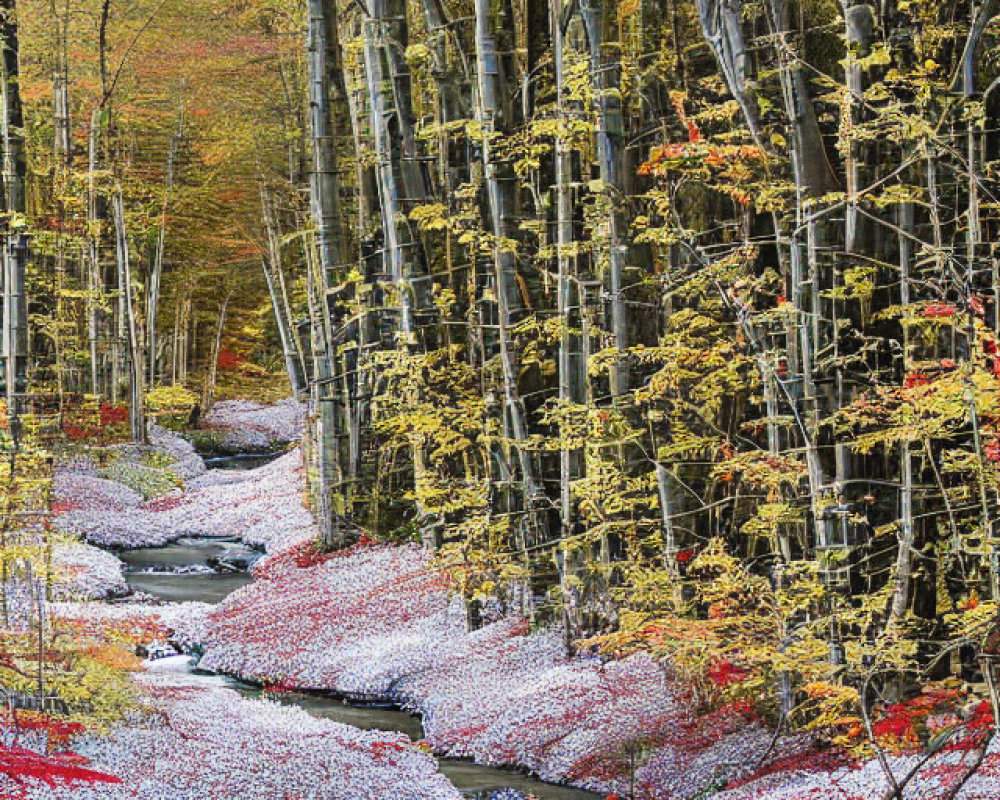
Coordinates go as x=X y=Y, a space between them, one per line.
x=938 y=779
x=263 y=507
x=377 y=623
x=204 y=742
x=103 y=511
x=85 y=572
x=247 y=426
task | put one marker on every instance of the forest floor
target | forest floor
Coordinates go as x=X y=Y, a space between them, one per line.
x=377 y=622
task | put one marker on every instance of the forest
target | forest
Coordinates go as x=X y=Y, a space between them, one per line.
x=638 y=358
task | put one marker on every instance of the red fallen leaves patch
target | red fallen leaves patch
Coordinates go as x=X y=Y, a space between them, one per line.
x=22 y=765
x=307 y=555
x=59 y=731
x=806 y=761
x=384 y=751
x=229 y=360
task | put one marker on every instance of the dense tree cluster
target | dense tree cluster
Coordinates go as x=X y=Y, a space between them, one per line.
x=674 y=321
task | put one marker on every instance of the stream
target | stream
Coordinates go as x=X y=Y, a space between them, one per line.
x=181 y=572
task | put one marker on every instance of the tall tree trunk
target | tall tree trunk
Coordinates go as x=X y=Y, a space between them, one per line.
x=208 y=391
x=812 y=169
x=62 y=139
x=324 y=186
x=15 y=245
x=397 y=244
x=722 y=26
x=95 y=286
x=273 y=261
x=295 y=378
x=394 y=39
x=156 y=269
x=325 y=79
x=605 y=76
x=569 y=458
x=501 y=215
x=137 y=422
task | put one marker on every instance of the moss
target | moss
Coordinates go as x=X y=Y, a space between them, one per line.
x=148 y=481
x=158 y=460
x=208 y=442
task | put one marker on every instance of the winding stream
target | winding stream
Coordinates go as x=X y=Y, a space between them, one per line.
x=180 y=572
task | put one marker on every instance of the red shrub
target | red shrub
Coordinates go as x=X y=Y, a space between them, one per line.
x=724 y=673
x=230 y=360
x=113 y=415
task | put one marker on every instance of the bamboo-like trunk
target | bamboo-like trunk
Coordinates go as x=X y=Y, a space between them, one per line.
x=500 y=214
x=156 y=269
x=324 y=186
x=904 y=555
x=62 y=141
x=274 y=273
x=813 y=172
x=398 y=248
x=605 y=75
x=137 y=423
x=326 y=257
x=394 y=39
x=15 y=244
x=295 y=379
x=569 y=363
x=722 y=25
x=859 y=26
x=208 y=391
x=95 y=286
x=62 y=146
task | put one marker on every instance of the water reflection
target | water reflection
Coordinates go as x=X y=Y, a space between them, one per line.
x=180 y=572
x=242 y=461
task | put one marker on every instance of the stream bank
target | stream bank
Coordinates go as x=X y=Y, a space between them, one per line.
x=182 y=572
x=379 y=623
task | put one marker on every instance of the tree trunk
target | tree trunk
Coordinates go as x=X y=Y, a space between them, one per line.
x=722 y=26
x=605 y=76
x=812 y=169
x=295 y=379
x=15 y=244
x=500 y=217
x=398 y=247
x=137 y=423
x=325 y=78
x=569 y=458
x=156 y=270
x=208 y=391
x=95 y=285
